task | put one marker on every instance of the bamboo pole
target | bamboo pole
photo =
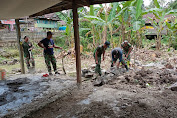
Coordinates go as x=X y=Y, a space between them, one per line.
x=20 y=46
x=77 y=43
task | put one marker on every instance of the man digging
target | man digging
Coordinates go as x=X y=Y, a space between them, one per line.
x=27 y=49
x=97 y=55
x=127 y=48
x=117 y=54
x=48 y=44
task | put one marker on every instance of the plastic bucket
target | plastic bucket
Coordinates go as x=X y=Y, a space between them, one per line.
x=2 y=74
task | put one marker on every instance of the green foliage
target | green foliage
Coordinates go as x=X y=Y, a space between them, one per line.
x=91 y=10
x=62 y=42
x=174 y=44
x=138 y=8
x=113 y=12
x=156 y=3
x=127 y=16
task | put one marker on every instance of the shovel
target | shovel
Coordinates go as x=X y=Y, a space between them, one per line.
x=31 y=70
x=63 y=62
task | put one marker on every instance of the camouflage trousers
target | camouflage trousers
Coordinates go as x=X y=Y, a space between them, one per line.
x=48 y=59
x=126 y=61
x=29 y=60
x=98 y=66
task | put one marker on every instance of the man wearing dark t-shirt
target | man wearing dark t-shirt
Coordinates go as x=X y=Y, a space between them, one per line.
x=48 y=45
x=117 y=54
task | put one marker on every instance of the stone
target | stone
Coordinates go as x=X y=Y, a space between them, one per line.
x=118 y=71
x=98 y=81
x=110 y=75
x=105 y=72
x=84 y=71
x=89 y=75
x=16 y=70
x=173 y=87
x=93 y=66
x=169 y=66
x=4 y=62
x=127 y=78
x=153 y=55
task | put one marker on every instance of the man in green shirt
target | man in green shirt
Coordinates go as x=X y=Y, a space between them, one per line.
x=97 y=55
x=127 y=48
x=27 y=49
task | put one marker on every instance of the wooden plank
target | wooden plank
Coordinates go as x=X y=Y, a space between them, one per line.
x=67 y=4
x=77 y=43
x=20 y=46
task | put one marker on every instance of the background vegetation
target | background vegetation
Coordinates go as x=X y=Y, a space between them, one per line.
x=121 y=21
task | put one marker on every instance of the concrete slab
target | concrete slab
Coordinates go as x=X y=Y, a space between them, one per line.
x=21 y=94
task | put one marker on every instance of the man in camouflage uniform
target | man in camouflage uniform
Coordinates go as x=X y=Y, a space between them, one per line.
x=27 y=49
x=48 y=44
x=127 y=48
x=97 y=55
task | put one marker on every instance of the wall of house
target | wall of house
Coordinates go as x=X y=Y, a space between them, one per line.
x=45 y=24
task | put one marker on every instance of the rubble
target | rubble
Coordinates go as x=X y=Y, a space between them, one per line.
x=169 y=66
x=88 y=75
x=173 y=87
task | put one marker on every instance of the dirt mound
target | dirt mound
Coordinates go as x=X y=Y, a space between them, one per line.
x=147 y=77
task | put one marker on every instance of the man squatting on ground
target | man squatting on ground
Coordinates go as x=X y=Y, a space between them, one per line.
x=117 y=53
x=127 y=48
x=97 y=55
x=48 y=45
x=27 y=49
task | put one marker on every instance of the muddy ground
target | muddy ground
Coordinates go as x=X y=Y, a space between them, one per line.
x=143 y=92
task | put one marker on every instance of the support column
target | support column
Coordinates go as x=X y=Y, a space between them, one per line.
x=20 y=46
x=77 y=43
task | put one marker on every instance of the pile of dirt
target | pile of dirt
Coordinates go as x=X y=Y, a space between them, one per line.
x=147 y=77
x=164 y=57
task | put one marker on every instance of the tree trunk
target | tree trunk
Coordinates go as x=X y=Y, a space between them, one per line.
x=104 y=34
x=158 y=41
x=93 y=28
x=129 y=32
x=139 y=38
x=123 y=30
x=170 y=40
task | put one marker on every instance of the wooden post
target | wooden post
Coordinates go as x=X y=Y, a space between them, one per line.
x=77 y=43
x=20 y=46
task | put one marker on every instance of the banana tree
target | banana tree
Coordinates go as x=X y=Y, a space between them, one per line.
x=104 y=21
x=136 y=20
x=159 y=24
x=69 y=23
x=172 y=29
x=67 y=17
x=123 y=18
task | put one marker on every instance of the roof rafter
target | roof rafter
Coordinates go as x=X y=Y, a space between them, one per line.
x=67 y=4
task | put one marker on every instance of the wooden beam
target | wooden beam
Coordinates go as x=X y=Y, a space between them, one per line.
x=67 y=4
x=20 y=46
x=77 y=43
x=92 y=2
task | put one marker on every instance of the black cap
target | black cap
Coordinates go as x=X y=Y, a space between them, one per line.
x=25 y=37
x=107 y=43
x=49 y=33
